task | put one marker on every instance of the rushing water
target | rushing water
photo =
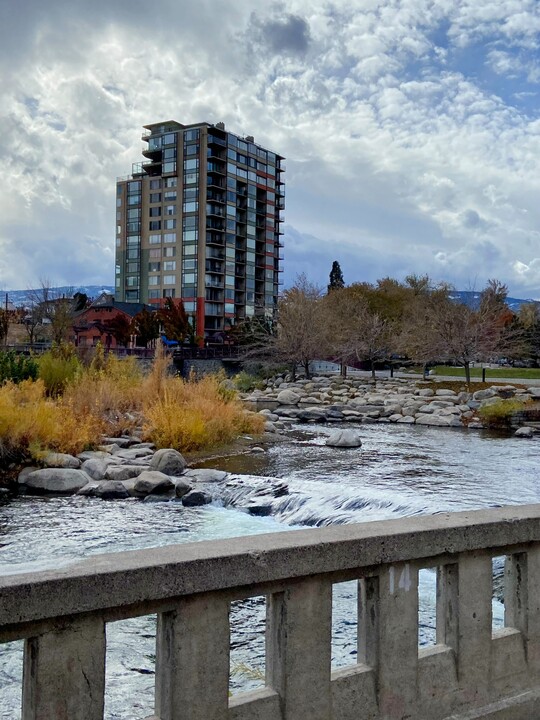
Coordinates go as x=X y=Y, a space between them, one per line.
x=398 y=471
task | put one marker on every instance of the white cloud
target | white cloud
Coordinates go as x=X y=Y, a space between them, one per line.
x=399 y=158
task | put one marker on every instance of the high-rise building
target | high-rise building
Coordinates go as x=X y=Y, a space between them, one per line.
x=201 y=219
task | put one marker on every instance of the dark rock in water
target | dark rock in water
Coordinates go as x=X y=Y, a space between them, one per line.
x=111 y=490
x=259 y=509
x=152 y=482
x=344 y=439
x=195 y=498
x=65 y=481
x=182 y=487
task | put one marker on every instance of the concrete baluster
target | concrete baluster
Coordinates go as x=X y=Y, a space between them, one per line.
x=64 y=673
x=298 y=649
x=516 y=592
x=398 y=641
x=533 y=611
x=475 y=586
x=192 y=660
x=447 y=605
x=368 y=621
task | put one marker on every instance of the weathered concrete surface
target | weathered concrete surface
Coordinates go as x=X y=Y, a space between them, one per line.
x=470 y=672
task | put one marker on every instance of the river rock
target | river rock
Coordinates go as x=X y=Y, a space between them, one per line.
x=61 y=460
x=124 y=472
x=344 y=439
x=182 y=487
x=89 y=490
x=111 y=490
x=134 y=453
x=152 y=482
x=195 y=498
x=56 y=480
x=438 y=420
x=484 y=394
x=206 y=475
x=169 y=462
x=426 y=392
x=25 y=472
x=96 y=468
x=407 y=420
x=288 y=397
x=524 y=432
x=534 y=392
x=122 y=442
x=94 y=455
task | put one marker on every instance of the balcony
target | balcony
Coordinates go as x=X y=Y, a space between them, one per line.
x=214 y=167
x=215 y=140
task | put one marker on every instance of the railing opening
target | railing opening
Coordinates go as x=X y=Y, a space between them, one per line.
x=344 y=624
x=247 y=658
x=498 y=592
x=11 y=671
x=427 y=603
x=130 y=669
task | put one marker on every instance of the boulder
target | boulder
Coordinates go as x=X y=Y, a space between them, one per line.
x=25 y=472
x=534 y=392
x=89 y=490
x=169 y=462
x=195 y=498
x=123 y=472
x=426 y=392
x=152 y=482
x=94 y=455
x=484 y=394
x=438 y=420
x=56 y=480
x=288 y=397
x=445 y=393
x=344 y=439
x=134 y=453
x=111 y=490
x=206 y=475
x=121 y=442
x=407 y=420
x=61 y=460
x=95 y=468
x=182 y=487
x=524 y=432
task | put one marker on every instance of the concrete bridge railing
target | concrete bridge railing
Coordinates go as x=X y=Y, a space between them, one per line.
x=471 y=672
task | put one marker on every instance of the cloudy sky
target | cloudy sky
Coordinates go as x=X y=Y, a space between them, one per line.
x=411 y=128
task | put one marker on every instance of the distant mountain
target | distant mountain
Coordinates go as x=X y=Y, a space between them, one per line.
x=471 y=298
x=22 y=298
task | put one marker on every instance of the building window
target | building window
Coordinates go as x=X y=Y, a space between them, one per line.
x=169 y=252
x=191 y=207
x=191 y=194
x=169 y=139
x=119 y=202
x=154 y=267
x=189 y=279
x=154 y=253
x=191 y=164
x=169 y=237
x=169 y=210
x=155 y=197
x=153 y=294
x=154 y=239
x=169 y=167
x=191 y=135
x=169 y=224
x=154 y=211
x=169 y=195
x=155 y=184
x=191 y=150
x=171 y=182
x=169 y=279
x=169 y=265
x=153 y=280
x=190 y=235
x=169 y=292
x=154 y=225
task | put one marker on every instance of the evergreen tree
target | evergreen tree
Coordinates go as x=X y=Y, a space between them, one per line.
x=336 y=277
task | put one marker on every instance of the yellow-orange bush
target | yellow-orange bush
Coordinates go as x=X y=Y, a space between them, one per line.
x=30 y=422
x=193 y=415
x=109 y=396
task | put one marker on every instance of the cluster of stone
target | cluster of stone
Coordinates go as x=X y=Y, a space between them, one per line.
x=333 y=400
x=121 y=468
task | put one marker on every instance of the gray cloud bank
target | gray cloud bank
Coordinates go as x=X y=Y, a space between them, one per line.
x=411 y=130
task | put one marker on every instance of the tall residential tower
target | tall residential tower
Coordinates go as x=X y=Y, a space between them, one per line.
x=201 y=219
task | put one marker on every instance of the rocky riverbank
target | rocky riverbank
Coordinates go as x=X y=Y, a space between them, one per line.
x=325 y=399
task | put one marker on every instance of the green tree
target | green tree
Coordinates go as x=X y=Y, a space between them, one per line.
x=336 y=277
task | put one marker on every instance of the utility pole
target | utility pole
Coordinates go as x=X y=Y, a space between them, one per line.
x=7 y=320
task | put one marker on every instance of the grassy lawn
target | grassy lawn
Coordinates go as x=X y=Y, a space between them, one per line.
x=491 y=373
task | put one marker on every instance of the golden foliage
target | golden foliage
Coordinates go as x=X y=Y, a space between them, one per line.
x=193 y=415
x=30 y=422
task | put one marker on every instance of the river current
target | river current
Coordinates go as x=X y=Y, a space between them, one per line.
x=399 y=471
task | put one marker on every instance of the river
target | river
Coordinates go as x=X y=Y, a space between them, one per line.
x=399 y=471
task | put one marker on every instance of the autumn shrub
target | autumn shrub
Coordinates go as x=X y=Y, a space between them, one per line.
x=58 y=367
x=194 y=415
x=498 y=414
x=17 y=367
x=109 y=388
x=32 y=423
x=246 y=382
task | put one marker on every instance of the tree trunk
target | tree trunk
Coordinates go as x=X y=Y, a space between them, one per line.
x=425 y=371
x=343 y=369
x=293 y=371
x=306 y=369
x=467 y=367
x=373 y=369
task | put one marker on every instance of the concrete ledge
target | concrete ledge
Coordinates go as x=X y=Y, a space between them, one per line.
x=118 y=580
x=525 y=706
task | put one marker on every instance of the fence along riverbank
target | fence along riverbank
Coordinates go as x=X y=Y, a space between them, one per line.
x=470 y=672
